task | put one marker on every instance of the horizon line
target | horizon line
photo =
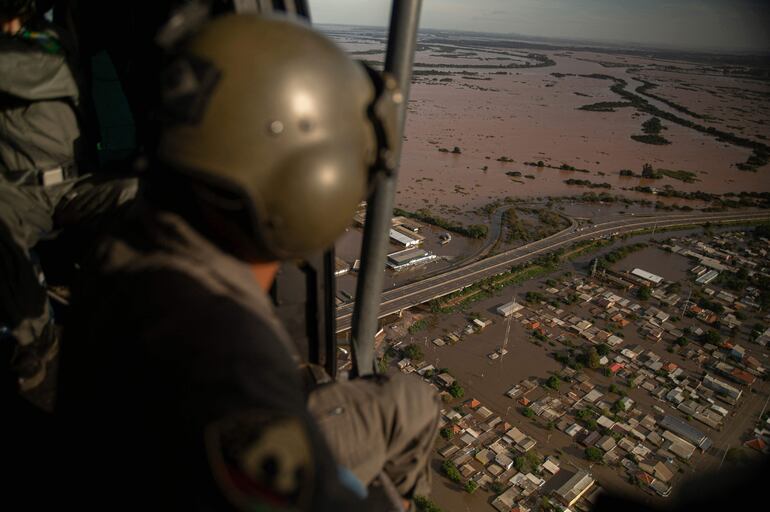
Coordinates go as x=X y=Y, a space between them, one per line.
x=758 y=52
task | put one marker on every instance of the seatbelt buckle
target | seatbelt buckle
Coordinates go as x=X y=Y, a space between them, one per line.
x=52 y=176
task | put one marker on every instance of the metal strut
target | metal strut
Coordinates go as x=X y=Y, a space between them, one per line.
x=402 y=41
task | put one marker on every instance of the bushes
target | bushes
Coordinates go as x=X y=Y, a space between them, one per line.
x=534 y=297
x=553 y=382
x=424 y=215
x=497 y=487
x=413 y=352
x=418 y=326
x=651 y=139
x=451 y=471
x=423 y=504
x=594 y=454
x=456 y=390
x=587 y=183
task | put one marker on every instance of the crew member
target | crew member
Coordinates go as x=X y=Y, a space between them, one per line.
x=40 y=187
x=177 y=379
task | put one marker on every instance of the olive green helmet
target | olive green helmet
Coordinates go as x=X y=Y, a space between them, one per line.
x=276 y=121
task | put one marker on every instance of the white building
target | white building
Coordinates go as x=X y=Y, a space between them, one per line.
x=647 y=276
x=403 y=239
x=510 y=308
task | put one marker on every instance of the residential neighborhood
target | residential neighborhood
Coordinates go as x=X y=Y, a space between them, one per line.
x=645 y=381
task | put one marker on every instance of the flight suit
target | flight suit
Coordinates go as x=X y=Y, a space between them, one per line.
x=40 y=190
x=174 y=349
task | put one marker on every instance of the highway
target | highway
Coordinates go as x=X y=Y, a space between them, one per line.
x=412 y=294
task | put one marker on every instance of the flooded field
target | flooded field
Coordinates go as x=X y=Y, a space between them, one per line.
x=671 y=267
x=504 y=105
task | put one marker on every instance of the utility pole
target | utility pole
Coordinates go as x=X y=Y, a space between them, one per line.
x=687 y=301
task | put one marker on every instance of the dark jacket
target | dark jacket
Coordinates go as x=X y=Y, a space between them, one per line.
x=180 y=388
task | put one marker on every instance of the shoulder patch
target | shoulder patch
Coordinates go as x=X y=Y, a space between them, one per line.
x=262 y=461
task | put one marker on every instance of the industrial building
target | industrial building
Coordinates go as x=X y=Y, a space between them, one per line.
x=647 y=276
x=409 y=257
x=510 y=308
x=707 y=277
x=402 y=238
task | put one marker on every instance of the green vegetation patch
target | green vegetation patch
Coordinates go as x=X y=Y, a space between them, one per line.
x=656 y=140
x=477 y=231
x=606 y=106
x=685 y=176
x=423 y=504
x=616 y=255
x=587 y=183
x=451 y=471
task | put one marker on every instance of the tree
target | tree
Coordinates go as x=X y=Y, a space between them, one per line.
x=652 y=126
x=471 y=486
x=644 y=293
x=681 y=341
x=528 y=412
x=594 y=454
x=603 y=349
x=648 y=171
x=553 y=382
x=456 y=390
x=413 y=352
x=423 y=504
x=712 y=337
x=451 y=472
x=418 y=326
x=497 y=487
x=382 y=363
x=456 y=150
x=592 y=358
x=533 y=297
x=446 y=433
x=533 y=458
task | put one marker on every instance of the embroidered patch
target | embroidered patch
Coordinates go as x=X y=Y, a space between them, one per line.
x=262 y=461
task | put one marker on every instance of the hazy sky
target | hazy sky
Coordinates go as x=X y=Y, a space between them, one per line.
x=704 y=24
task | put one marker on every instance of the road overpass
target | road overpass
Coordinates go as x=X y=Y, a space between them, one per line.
x=418 y=292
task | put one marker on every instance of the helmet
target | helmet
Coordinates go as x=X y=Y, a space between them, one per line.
x=272 y=121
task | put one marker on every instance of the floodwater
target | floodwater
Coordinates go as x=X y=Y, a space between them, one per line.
x=669 y=266
x=528 y=114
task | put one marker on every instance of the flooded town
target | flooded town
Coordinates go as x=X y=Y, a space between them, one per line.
x=589 y=300
x=609 y=377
